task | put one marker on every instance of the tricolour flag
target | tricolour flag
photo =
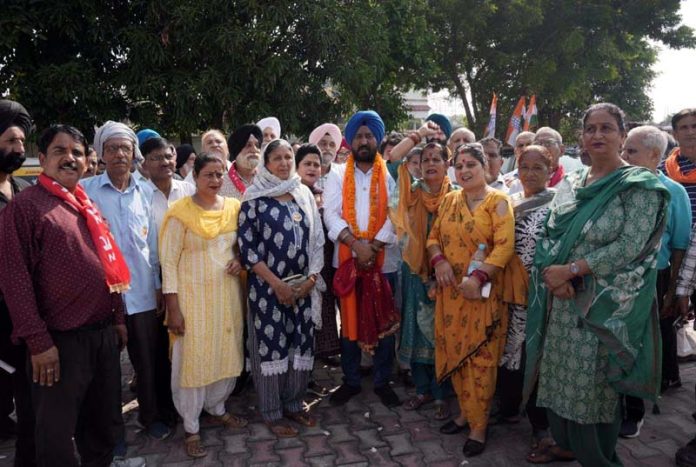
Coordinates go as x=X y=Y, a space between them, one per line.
x=531 y=117
x=515 y=122
x=490 y=129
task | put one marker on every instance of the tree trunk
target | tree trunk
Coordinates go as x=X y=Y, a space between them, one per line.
x=461 y=90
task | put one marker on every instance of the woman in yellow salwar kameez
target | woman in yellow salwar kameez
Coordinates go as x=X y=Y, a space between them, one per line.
x=204 y=300
x=470 y=330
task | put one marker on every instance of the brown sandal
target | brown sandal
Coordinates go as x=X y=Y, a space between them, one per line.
x=193 y=446
x=442 y=411
x=231 y=421
x=303 y=418
x=549 y=454
x=416 y=402
x=281 y=430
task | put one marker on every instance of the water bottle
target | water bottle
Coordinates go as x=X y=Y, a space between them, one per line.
x=477 y=260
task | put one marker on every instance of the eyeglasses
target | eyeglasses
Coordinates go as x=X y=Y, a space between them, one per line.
x=547 y=143
x=116 y=148
x=159 y=158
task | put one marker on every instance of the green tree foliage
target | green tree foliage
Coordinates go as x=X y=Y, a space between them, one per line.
x=181 y=66
x=569 y=53
x=60 y=59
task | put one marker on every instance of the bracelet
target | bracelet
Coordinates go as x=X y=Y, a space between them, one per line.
x=437 y=259
x=312 y=278
x=480 y=275
x=415 y=137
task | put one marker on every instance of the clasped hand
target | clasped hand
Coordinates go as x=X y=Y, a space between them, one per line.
x=557 y=279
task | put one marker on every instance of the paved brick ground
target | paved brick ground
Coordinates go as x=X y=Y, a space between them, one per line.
x=366 y=433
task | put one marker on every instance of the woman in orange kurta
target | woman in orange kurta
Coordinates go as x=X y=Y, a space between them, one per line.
x=470 y=329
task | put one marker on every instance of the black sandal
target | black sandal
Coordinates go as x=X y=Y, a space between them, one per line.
x=473 y=448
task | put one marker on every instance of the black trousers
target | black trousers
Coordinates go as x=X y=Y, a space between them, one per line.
x=15 y=393
x=509 y=386
x=82 y=403
x=148 y=349
x=633 y=408
x=670 y=364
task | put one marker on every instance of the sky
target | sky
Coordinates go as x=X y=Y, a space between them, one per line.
x=673 y=89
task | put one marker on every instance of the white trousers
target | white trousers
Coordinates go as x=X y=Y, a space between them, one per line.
x=189 y=402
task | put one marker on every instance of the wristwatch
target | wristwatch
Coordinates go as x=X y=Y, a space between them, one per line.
x=574 y=269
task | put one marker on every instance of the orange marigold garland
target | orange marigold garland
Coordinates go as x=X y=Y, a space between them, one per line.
x=349 y=193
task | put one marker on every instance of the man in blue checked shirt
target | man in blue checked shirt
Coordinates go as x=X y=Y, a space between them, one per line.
x=126 y=205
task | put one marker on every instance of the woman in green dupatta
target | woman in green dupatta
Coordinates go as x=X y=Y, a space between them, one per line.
x=592 y=330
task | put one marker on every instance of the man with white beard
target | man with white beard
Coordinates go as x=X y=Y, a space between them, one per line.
x=328 y=139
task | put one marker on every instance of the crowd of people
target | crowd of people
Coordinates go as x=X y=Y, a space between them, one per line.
x=552 y=289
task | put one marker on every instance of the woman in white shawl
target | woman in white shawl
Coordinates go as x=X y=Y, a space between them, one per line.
x=281 y=241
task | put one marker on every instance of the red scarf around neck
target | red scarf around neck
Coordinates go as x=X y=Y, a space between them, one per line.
x=115 y=267
x=236 y=179
x=557 y=176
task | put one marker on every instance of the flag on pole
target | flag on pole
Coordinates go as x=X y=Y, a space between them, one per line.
x=490 y=130
x=515 y=122
x=531 y=117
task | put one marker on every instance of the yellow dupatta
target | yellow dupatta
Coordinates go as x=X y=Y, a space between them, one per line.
x=205 y=224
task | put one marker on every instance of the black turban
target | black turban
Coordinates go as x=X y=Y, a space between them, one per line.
x=182 y=154
x=238 y=139
x=14 y=114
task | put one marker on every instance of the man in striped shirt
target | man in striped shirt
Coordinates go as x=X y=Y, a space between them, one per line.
x=680 y=165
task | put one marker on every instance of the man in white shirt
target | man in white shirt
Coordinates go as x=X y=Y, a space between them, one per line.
x=359 y=231
x=160 y=163
x=328 y=139
x=491 y=147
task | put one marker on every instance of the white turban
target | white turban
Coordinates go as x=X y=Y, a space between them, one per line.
x=112 y=129
x=319 y=132
x=271 y=122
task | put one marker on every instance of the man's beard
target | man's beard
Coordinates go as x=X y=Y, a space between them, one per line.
x=11 y=161
x=327 y=158
x=246 y=162
x=369 y=157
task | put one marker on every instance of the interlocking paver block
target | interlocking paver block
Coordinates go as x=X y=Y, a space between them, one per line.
x=348 y=453
x=421 y=431
x=340 y=433
x=317 y=445
x=410 y=460
x=400 y=444
x=379 y=457
x=292 y=457
x=369 y=439
x=263 y=452
x=236 y=444
x=433 y=452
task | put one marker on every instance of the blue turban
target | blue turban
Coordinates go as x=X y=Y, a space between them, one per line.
x=144 y=135
x=443 y=122
x=370 y=119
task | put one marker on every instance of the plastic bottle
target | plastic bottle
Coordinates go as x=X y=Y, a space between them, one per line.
x=477 y=259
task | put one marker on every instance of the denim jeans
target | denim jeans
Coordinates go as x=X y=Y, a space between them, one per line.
x=383 y=361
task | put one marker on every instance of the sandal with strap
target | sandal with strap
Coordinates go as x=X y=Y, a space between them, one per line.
x=548 y=454
x=193 y=446
x=416 y=402
x=442 y=411
x=303 y=418
x=231 y=421
x=281 y=430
